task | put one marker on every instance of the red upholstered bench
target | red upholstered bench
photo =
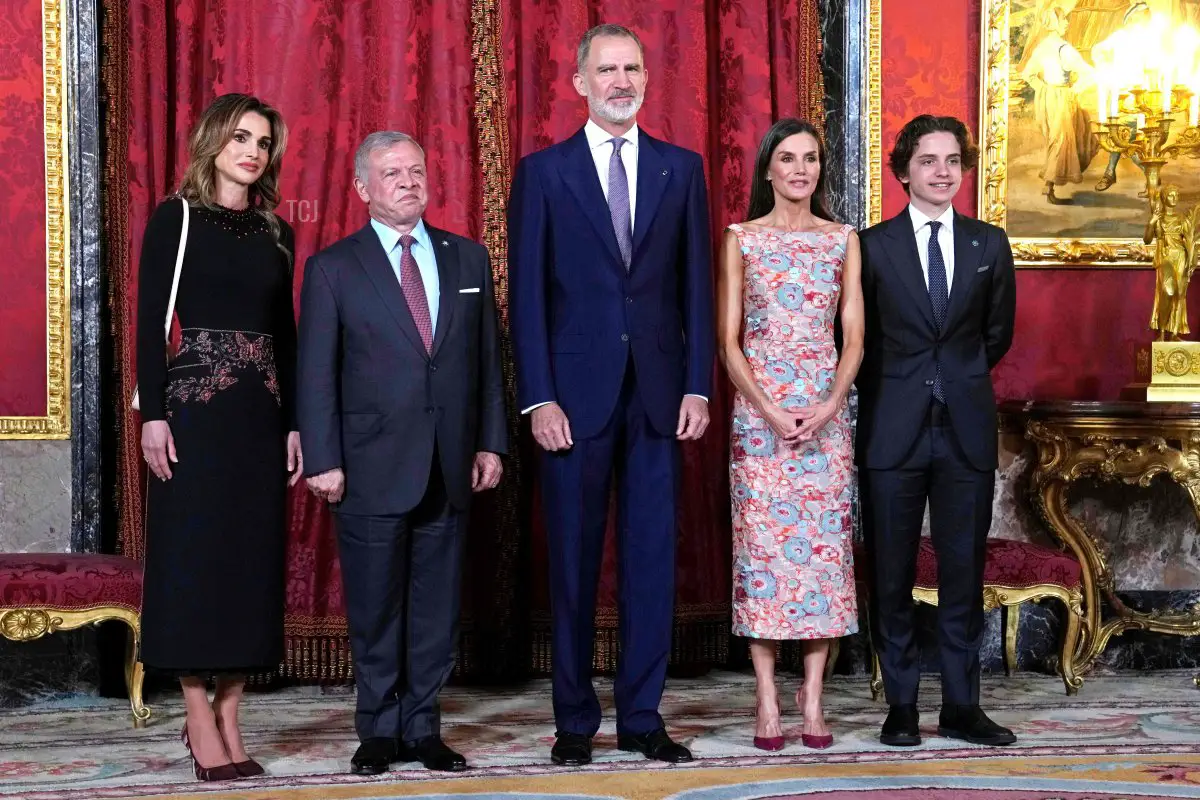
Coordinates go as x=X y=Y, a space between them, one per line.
x=1014 y=573
x=41 y=593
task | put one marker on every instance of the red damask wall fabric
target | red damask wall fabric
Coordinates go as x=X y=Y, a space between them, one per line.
x=479 y=84
x=23 y=210
x=1076 y=330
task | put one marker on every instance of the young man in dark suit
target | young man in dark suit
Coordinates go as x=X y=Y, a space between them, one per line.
x=940 y=297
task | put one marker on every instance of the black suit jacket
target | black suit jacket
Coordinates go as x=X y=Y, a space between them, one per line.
x=371 y=400
x=895 y=382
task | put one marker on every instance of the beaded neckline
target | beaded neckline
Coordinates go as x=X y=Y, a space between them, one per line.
x=239 y=222
x=235 y=212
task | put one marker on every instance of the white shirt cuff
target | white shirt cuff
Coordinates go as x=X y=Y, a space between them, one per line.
x=702 y=397
x=538 y=405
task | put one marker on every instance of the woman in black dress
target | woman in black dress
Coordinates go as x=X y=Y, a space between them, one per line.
x=219 y=432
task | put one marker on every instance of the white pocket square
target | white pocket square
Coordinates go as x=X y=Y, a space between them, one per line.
x=469 y=291
x=984 y=269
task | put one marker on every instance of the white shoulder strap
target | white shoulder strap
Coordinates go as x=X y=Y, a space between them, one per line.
x=183 y=232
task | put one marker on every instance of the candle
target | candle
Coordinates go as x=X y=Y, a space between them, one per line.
x=1115 y=111
x=1166 y=92
x=1194 y=110
x=1102 y=103
x=1141 y=121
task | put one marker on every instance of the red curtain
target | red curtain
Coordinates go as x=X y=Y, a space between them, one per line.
x=719 y=73
x=478 y=83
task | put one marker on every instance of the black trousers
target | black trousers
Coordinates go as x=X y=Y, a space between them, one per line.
x=402 y=577
x=960 y=515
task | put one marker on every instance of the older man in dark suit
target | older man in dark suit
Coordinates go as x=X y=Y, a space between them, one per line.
x=401 y=404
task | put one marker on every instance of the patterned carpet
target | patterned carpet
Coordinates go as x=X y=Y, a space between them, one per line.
x=1125 y=736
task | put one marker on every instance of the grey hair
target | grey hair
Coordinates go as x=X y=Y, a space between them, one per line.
x=585 y=44
x=379 y=140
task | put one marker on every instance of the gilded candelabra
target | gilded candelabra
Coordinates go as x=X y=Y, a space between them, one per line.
x=1174 y=364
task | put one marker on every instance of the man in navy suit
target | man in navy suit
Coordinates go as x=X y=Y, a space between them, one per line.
x=940 y=297
x=401 y=401
x=611 y=304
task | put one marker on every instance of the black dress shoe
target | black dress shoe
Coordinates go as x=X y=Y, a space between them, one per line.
x=436 y=755
x=656 y=745
x=571 y=750
x=970 y=724
x=373 y=757
x=901 y=728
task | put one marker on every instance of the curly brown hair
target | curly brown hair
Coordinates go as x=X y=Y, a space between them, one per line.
x=910 y=136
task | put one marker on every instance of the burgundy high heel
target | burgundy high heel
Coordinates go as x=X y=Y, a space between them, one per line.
x=770 y=743
x=249 y=768
x=815 y=741
x=225 y=772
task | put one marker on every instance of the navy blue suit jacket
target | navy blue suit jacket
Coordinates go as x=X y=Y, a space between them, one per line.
x=903 y=346
x=577 y=315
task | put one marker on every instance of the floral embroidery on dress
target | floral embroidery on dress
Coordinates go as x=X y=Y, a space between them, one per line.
x=228 y=355
x=792 y=553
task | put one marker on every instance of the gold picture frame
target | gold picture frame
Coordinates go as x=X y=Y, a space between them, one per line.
x=874 y=112
x=996 y=135
x=56 y=423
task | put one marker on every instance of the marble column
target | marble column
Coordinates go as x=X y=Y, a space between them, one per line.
x=50 y=498
x=84 y=165
x=844 y=68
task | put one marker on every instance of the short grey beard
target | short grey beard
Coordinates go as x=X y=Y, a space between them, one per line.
x=612 y=113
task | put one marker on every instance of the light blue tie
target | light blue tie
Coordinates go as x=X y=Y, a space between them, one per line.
x=939 y=298
x=618 y=202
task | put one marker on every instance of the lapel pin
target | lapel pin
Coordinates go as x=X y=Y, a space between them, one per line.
x=664 y=173
x=445 y=243
x=974 y=243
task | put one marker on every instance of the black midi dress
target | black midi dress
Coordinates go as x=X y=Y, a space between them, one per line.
x=213 y=599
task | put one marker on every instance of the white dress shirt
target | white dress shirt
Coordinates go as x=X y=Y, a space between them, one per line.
x=600 y=143
x=921 y=228
x=422 y=251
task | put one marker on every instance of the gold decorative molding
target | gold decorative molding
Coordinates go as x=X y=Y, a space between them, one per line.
x=28 y=623
x=1010 y=599
x=994 y=88
x=1131 y=443
x=56 y=424
x=874 y=103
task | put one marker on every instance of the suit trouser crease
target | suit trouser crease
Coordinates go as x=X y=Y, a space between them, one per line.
x=960 y=506
x=402 y=580
x=577 y=487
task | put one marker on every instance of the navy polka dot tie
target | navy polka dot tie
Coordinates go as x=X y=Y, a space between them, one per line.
x=939 y=297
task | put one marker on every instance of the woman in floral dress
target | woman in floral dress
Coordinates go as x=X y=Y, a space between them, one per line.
x=786 y=277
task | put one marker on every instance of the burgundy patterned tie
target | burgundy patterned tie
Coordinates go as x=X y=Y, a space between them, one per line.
x=414 y=292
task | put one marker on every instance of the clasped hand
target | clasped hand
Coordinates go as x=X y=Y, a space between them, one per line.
x=795 y=425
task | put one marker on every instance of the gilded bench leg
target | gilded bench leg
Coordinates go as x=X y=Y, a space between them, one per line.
x=1012 y=623
x=134 y=676
x=876 y=676
x=1071 y=642
x=835 y=648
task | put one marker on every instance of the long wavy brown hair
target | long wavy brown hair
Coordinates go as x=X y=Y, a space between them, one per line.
x=208 y=139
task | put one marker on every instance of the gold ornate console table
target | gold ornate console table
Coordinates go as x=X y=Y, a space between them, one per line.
x=1131 y=442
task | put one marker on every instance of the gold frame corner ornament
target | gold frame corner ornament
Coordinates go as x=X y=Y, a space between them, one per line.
x=56 y=423
x=1035 y=252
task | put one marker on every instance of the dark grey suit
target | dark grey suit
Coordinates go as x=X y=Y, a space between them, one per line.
x=404 y=425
